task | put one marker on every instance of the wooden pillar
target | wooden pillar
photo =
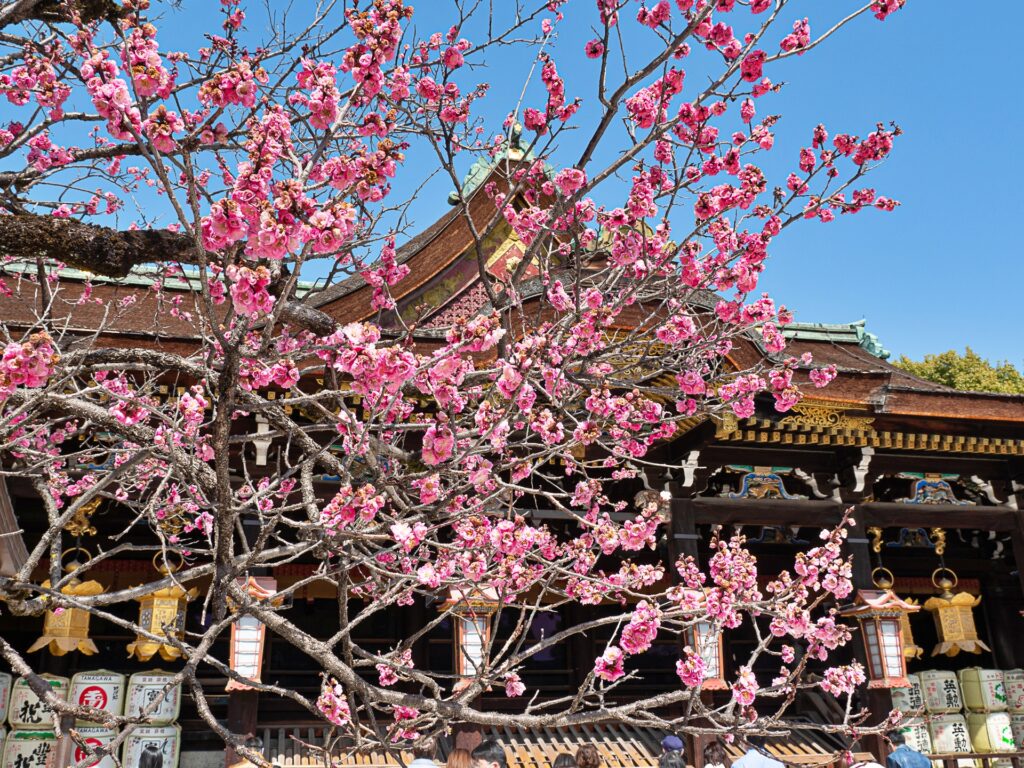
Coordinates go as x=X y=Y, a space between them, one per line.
x=64 y=750
x=683 y=540
x=1017 y=537
x=879 y=700
x=243 y=707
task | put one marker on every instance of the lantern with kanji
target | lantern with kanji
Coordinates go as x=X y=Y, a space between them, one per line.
x=473 y=614
x=66 y=628
x=879 y=614
x=248 y=635
x=161 y=613
x=954 y=616
x=705 y=638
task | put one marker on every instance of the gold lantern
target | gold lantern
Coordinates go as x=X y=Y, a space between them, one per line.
x=67 y=629
x=954 y=616
x=473 y=614
x=911 y=650
x=161 y=613
x=879 y=613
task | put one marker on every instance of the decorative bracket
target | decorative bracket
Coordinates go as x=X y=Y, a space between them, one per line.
x=79 y=524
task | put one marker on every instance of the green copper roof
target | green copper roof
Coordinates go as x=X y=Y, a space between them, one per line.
x=141 y=276
x=840 y=333
x=482 y=166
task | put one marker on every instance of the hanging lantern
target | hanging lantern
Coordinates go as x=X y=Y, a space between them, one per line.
x=248 y=635
x=67 y=629
x=157 y=610
x=954 y=617
x=705 y=638
x=473 y=614
x=911 y=650
x=879 y=614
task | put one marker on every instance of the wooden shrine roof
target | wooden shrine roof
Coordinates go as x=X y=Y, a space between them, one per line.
x=867 y=381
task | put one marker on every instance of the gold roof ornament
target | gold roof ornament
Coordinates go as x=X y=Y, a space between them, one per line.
x=954 y=616
x=162 y=612
x=67 y=629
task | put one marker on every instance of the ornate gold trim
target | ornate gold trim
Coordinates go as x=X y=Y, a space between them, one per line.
x=806 y=415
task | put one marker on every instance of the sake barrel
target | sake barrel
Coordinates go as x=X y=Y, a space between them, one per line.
x=916 y=733
x=1013 y=682
x=165 y=739
x=95 y=736
x=28 y=749
x=990 y=731
x=5 y=696
x=983 y=689
x=949 y=734
x=26 y=710
x=1017 y=728
x=144 y=688
x=909 y=700
x=941 y=692
x=100 y=689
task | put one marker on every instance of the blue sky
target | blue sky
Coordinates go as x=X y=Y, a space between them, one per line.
x=942 y=271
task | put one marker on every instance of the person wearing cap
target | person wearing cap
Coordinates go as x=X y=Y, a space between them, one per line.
x=672 y=743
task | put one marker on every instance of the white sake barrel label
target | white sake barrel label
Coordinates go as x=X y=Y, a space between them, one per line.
x=1013 y=681
x=145 y=688
x=5 y=694
x=28 y=749
x=910 y=699
x=1017 y=729
x=26 y=710
x=100 y=690
x=95 y=737
x=162 y=739
x=941 y=692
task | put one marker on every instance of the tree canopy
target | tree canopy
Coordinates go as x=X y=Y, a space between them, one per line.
x=966 y=371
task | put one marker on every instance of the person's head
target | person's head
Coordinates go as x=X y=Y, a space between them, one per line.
x=896 y=738
x=489 y=754
x=587 y=756
x=425 y=748
x=152 y=756
x=756 y=740
x=564 y=760
x=714 y=753
x=459 y=758
x=672 y=760
x=672 y=743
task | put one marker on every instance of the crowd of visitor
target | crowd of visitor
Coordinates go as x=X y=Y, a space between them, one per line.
x=490 y=754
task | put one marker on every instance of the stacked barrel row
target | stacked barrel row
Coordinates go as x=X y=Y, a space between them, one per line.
x=973 y=710
x=153 y=695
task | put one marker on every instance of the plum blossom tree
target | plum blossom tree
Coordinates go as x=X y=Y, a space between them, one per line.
x=276 y=152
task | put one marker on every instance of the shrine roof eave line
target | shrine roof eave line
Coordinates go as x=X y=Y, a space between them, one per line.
x=823 y=513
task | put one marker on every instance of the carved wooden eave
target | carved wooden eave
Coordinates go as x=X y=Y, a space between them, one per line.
x=835 y=423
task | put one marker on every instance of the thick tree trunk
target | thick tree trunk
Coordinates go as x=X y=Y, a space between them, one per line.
x=101 y=250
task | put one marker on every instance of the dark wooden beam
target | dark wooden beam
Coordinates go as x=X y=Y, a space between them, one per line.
x=826 y=512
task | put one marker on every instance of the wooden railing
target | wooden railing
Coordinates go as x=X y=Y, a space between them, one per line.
x=987 y=759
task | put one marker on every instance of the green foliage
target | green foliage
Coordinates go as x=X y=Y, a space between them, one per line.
x=967 y=371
